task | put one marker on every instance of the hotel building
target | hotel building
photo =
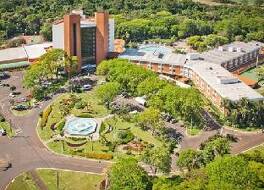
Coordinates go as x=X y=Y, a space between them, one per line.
x=89 y=39
x=209 y=71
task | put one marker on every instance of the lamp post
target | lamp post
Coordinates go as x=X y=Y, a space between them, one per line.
x=57 y=179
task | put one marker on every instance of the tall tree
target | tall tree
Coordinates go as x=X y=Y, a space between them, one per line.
x=159 y=158
x=231 y=173
x=128 y=175
x=150 y=118
x=190 y=159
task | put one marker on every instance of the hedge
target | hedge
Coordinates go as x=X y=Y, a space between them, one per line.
x=102 y=156
x=60 y=125
x=45 y=115
x=73 y=145
x=84 y=115
x=2 y=119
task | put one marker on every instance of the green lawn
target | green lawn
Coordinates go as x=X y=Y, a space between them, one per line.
x=119 y=124
x=109 y=140
x=6 y=126
x=146 y=136
x=252 y=74
x=70 y=180
x=56 y=115
x=193 y=131
x=95 y=146
x=23 y=182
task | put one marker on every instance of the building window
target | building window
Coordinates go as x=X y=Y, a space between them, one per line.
x=74 y=39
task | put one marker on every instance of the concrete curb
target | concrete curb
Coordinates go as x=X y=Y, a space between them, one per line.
x=241 y=131
x=262 y=144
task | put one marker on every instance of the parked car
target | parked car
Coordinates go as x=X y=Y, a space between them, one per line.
x=2 y=132
x=20 y=107
x=16 y=93
x=12 y=88
x=87 y=87
x=13 y=94
x=5 y=85
x=5 y=165
x=4 y=75
x=21 y=100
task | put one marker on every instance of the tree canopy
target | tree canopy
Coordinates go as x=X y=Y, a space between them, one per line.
x=128 y=175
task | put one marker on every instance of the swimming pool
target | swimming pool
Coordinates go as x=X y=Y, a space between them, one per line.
x=154 y=48
x=76 y=126
x=142 y=50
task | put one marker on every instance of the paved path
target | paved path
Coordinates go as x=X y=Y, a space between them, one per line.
x=245 y=140
x=26 y=152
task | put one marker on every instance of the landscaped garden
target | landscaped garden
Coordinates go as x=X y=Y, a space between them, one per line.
x=118 y=135
x=68 y=180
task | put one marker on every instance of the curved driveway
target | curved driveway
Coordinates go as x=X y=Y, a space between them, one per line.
x=26 y=151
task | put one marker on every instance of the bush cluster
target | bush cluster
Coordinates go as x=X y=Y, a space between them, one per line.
x=101 y=156
x=45 y=114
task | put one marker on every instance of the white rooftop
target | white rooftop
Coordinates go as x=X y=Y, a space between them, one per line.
x=23 y=53
x=11 y=54
x=37 y=50
x=154 y=57
x=230 y=51
x=222 y=81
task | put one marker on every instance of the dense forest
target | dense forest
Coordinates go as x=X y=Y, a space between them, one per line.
x=139 y=21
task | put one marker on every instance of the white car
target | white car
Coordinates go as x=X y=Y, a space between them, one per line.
x=11 y=95
x=87 y=87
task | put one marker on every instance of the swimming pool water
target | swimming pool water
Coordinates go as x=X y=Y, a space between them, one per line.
x=155 y=48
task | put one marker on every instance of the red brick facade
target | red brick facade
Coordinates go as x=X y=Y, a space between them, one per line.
x=72 y=36
x=102 y=22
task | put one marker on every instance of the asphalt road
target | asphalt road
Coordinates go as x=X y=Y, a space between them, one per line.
x=25 y=151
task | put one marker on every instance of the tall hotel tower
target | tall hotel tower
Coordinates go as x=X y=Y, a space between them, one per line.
x=89 y=39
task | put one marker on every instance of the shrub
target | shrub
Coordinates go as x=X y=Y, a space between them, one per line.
x=84 y=115
x=59 y=126
x=125 y=136
x=102 y=128
x=16 y=42
x=76 y=144
x=80 y=105
x=45 y=115
x=102 y=156
x=12 y=88
x=2 y=119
